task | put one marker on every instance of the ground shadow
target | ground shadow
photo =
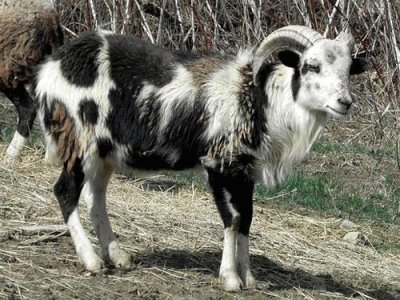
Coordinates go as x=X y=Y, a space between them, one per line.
x=153 y=184
x=265 y=270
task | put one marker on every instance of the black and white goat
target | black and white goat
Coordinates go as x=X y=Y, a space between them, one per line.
x=29 y=30
x=109 y=101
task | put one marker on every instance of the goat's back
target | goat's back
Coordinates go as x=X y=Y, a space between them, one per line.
x=123 y=99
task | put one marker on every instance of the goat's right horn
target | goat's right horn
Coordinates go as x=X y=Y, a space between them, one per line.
x=294 y=37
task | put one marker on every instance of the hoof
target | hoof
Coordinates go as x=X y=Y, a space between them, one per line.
x=231 y=282
x=122 y=260
x=95 y=264
x=249 y=282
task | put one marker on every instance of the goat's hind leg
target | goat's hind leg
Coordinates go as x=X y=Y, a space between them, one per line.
x=67 y=190
x=94 y=193
x=26 y=116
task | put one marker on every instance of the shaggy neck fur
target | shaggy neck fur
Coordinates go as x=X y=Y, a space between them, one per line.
x=291 y=129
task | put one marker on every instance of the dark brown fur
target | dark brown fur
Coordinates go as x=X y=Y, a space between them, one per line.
x=202 y=68
x=29 y=30
x=63 y=130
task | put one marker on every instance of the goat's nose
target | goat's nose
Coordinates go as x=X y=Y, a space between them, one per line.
x=345 y=101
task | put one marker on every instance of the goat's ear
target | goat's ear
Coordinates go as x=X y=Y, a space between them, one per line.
x=358 y=66
x=289 y=58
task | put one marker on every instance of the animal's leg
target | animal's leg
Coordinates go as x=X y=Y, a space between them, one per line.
x=26 y=116
x=95 y=198
x=67 y=190
x=234 y=197
x=229 y=269
x=243 y=198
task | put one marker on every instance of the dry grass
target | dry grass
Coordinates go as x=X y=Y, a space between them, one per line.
x=175 y=236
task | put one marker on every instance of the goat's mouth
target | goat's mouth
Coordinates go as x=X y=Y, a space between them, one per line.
x=337 y=112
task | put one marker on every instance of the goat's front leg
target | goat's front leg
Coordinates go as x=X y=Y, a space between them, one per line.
x=233 y=196
x=243 y=258
x=242 y=199
x=228 y=271
x=94 y=193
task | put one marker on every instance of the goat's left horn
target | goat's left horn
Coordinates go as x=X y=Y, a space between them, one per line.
x=294 y=37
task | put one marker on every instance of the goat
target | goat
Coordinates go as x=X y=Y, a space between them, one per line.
x=29 y=30
x=111 y=102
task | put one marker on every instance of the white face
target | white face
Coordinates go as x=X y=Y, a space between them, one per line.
x=324 y=78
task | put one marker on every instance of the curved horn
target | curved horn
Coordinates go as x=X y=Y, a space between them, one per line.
x=294 y=37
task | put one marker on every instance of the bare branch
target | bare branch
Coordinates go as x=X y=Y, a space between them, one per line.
x=145 y=25
x=94 y=14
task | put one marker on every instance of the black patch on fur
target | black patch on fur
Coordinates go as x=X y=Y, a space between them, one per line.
x=358 y=66
x=240 y=187
x=46 y=116
x=137 y=126
x=264 y=72
x=131 y=122
x=105 y=146
x=68 y=188
x=289 y=58
x=260 y=102
x=79 y=59
x=25 y=106
x=295 y=83
x=134 y=61
x=304 y=69
x=184 y=133
x=88 y=111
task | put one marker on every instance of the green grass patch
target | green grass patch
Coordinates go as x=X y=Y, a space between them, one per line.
x=34 y=141
x=387 y=246
x=324 y=195
x=6 y=134
x=325 y=146
x=318 y=194
x=188 y=178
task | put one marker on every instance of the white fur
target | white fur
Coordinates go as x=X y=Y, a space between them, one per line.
x=228 y=271
x=333 y=79
x=16 y=145
x=95 y=197
x=292 y=129
x=71 y=95
x=179 y=90
x=243 y=261
x=235 y=269
x=83 y=247
x=222 y=90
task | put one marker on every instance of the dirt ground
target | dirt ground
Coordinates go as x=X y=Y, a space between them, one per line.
x=175 y=236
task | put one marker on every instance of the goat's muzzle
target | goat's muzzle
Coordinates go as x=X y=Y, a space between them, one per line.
x=346 y=102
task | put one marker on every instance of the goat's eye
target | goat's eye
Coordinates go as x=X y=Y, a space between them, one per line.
x=313 y=68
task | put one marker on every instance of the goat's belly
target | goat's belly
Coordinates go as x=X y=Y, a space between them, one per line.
x=155 y=160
